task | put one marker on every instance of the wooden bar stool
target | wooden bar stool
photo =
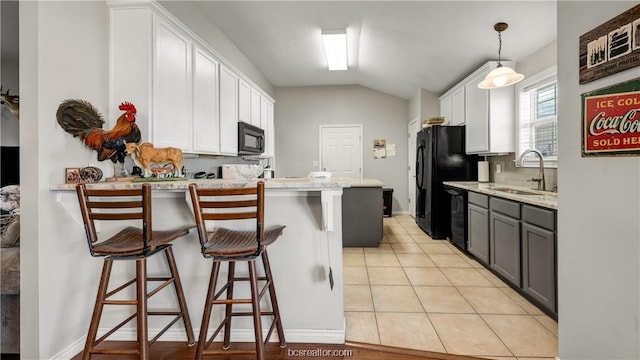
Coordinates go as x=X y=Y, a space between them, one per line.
x=231 y=246
x=135 y=244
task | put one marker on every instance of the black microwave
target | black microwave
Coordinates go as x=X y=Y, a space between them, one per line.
x=250 y=139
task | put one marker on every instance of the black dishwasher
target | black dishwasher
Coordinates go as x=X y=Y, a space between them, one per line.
x=458 y=233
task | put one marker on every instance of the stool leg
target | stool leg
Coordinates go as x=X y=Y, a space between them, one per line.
x=182 y=302
x=202 y=338
x=141 y=298
x=229 y=307
x=257 y=316
x=274 y=298
x=97 y=309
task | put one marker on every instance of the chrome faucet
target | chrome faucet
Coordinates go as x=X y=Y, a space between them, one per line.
x=541 y=183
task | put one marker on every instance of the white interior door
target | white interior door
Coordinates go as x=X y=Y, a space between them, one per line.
x=341 y=150
x=411 y=185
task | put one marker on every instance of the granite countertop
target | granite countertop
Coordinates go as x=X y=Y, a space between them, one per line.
x=276 y=183
x=363 y=182
x=540 y=198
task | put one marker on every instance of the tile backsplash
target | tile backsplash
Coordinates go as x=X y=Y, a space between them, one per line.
x=518 y=176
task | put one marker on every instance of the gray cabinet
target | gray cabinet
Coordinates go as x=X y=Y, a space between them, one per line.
x=362 y=209
x=505 y=245
x=478 y=226
x=516 y=241
x=539 y=255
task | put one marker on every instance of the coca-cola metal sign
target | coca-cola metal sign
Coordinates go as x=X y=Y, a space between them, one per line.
x=611 y=120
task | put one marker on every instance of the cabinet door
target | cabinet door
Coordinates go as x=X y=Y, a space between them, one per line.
x=171 y=88
x=244 y=102
x=539 y=265
x=269 y=132
x=478 y=227
x=476 y=116
x=457 y=106
x=445 y=109
x=228 y=111
x=206 y=124
x=505 y=246
x=255 y=108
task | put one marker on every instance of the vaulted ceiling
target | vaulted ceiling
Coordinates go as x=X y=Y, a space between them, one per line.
x=395 y=47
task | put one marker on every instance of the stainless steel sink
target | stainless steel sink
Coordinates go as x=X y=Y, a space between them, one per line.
x=516 y=191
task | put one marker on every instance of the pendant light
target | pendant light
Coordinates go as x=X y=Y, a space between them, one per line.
x=502 y=75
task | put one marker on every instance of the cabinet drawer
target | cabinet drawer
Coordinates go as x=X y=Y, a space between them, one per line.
x=506 y=207
x=537 y=216
x=478 y=199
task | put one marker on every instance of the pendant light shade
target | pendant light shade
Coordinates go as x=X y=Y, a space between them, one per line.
x=502 y=75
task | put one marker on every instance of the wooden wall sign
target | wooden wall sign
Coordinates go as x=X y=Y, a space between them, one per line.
x=611 y=47
x=611 y=120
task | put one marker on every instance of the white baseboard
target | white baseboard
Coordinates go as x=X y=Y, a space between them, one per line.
x=237 y=335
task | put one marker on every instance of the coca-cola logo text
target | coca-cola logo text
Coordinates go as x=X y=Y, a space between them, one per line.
x=602 y=124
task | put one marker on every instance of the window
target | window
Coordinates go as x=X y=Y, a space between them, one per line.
x=537 y=117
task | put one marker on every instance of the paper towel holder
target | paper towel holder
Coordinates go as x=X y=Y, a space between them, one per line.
x=483 y=171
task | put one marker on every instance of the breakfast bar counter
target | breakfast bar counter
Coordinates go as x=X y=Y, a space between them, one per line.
x=306 y=261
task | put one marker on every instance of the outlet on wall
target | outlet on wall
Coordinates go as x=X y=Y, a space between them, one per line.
x=498 y=168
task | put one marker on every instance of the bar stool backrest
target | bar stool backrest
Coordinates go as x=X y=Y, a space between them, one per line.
x=240 y=204
x=110 y=204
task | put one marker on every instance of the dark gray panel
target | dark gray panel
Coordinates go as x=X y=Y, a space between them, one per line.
x=505 y=246
x=544 y=218
x=362 y=210
x=539 y=265
x=478 y=225
x=479 y=199
x=506 y=207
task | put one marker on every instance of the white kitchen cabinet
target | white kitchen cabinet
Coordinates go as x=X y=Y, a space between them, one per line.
x=255 y=107
x=271 y=135
x=446 y=102
x=171 y=124
x=206 y=123
x=452 y=106
x=244 y=102
x=266 y=116
x=489 y=115
x=228 y=111
x=458 y=106
x=186 y=94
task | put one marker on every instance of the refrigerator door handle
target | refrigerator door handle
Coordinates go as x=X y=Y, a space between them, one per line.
x=419 y=166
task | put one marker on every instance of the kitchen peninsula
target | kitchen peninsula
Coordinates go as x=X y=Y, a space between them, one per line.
x=303 y=259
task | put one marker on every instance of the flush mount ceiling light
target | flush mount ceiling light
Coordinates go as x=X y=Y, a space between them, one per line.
x=502 y=75
x=335 y=48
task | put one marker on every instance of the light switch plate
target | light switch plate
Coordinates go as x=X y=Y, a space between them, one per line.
x=498 y=168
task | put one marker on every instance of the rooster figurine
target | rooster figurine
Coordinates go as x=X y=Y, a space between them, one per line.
x=81 y=119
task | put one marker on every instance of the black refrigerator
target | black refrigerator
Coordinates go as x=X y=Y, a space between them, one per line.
x=440 y=156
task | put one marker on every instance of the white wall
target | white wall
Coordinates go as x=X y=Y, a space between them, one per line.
x=64 y=54
x=599 y=212
x=424 y=104
x=299 y=112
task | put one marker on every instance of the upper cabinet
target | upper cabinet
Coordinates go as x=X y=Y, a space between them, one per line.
x=186 y=94
x=171 y=87
x=489 y=115
x=255 y=108
x=244 y=102
x=228 y=111
x=452 y=106
x=206 y=122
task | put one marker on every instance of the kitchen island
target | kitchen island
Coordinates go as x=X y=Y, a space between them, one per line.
x=302 y=259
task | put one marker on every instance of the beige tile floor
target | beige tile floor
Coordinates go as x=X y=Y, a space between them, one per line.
x=419 y=293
